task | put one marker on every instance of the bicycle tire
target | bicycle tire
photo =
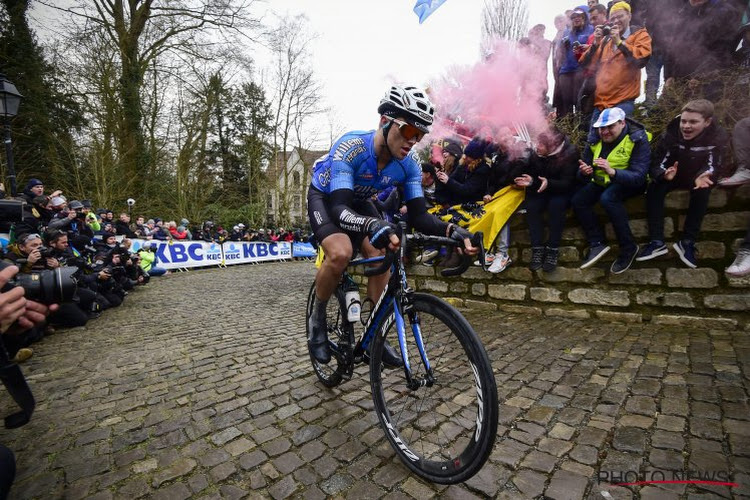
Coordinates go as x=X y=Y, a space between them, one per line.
x=329 y=374
x=443 y=433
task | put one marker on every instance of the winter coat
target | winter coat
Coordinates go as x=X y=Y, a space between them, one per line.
x=709 y=152
x=638 y=162
x=465 y=186
x=559 y=168
x=570 y=61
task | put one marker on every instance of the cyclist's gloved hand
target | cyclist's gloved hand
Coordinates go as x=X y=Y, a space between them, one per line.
x=380 y=232
x=460 y=235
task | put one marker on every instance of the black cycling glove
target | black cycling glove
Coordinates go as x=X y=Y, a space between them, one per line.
x=459 y=234
x=380 y=232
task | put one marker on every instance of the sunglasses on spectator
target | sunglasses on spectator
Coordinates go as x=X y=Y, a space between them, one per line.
x=25 y=239
x=407 y=130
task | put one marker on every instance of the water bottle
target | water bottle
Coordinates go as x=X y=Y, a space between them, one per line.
x=351 y=299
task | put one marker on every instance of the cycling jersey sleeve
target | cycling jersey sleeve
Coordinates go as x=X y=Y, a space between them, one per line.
x=423 y=221
x=413 y=182
x=346 y=218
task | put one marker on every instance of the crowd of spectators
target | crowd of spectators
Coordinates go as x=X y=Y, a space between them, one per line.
x=55 y=232
x=598 y=54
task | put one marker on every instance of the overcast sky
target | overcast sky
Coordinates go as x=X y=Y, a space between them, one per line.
x=364 y=45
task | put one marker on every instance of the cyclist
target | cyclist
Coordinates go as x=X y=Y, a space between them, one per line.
x=339 y=204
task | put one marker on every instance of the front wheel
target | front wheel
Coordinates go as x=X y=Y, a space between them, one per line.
x=443 y=433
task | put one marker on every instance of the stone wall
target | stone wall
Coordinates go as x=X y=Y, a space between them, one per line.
x=662 y=290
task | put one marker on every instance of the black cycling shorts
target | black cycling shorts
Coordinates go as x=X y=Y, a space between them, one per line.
x=324 y=225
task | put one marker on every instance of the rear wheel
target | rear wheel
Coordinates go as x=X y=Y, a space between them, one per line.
x=339 y=332
x=444 y=433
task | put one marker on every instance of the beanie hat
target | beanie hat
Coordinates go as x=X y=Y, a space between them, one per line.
x=428 y=168
x=620 y=6
x=475 y=148
x=57 y=201
x=34 y=182
x=453 y=147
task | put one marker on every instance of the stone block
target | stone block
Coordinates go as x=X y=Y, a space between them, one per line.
x=727 y=221
x=693 y=321
x=568 y=313
x=458 y=286
x=677 y=200
x=516 y=274
x=419 y=270
x=574 y=233
x=521 y=236
x=545 y=294
x=620 y=317
x=617 y=298
x=570 y=275
x=637 y=277
x=454 y=301
x=526 y=310
x=475 y=273
x=692 y=278
x=710 y=250
x=435 y=286
x=666 y=299
x=742 y=192
x=479 y=289
x=739 y=282
x=728 y=302
x=639 y=227
x=478 y=305
x=507 y=292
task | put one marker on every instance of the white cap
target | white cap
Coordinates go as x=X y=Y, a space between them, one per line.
x=609 y=116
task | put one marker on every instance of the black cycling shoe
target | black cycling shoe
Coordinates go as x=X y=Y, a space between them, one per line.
x=318 y=341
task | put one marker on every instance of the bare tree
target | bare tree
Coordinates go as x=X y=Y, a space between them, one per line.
x=141 y=32
x=296 y=98
x=508 y=19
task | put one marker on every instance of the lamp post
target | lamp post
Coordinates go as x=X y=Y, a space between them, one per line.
x=10 y=99
x=131 y=202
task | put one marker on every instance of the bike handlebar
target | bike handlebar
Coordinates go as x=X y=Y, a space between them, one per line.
x=422 y=239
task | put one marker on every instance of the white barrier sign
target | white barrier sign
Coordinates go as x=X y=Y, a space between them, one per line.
x=243 y=252
x=179 y=254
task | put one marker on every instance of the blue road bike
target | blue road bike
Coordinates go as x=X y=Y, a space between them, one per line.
x=440 y=411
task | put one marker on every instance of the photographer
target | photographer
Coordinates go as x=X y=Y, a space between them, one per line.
x=147 y=255
x=84 y=305
x=107 y=270
x=75 y=221
x=618 y=53
x=570 y=76
x=122 y=226
x=16 y=315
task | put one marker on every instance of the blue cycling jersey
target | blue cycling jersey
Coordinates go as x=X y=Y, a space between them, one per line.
x=351 y=164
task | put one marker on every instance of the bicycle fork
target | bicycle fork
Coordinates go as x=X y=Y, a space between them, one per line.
x=412 y=382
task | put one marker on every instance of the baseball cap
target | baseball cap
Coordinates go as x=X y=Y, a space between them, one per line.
x=609 y=116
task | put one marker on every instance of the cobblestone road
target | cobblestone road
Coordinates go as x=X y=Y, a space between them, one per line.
x=200 y=386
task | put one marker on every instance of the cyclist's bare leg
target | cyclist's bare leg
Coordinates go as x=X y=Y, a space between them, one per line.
x=375 y=284
x=338 y=250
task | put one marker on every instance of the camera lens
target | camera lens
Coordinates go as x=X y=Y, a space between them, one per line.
x=48 y=286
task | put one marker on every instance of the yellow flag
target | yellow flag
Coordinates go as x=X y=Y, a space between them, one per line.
x=486 y=217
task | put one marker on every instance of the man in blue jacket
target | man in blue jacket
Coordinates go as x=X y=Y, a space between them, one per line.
x=615 y=169
x=571 y=75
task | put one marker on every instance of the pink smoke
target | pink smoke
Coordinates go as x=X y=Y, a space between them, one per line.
x=505 y=90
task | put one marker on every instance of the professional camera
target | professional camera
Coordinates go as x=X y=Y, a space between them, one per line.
x=48 y=286
x=46 y=252
x=606 y=29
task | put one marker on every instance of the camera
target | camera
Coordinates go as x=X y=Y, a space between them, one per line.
x=606 y=29
x=46 y=253
x=11 y=210
x=50 y=286
x=576 y=45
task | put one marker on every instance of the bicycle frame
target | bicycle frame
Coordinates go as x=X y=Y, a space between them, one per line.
x=398 y=293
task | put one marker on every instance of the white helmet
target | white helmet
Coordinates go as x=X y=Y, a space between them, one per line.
x=410 y=103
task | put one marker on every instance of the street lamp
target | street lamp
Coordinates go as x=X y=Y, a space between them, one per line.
x=131 y=202
x=10 y=99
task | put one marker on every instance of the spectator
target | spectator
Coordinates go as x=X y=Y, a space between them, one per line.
x=741 y=143
x=618 y=59
x=148 y=262
x=661 y=22
x=177 y=232
x=184 y=223
x=549 y=180
x=592 y=4
x=468 y=182
x=452 y=152
x=597 y=17
x=236 y=234
x=122 y=226
x=558 y=55
x=691 y=156
x=615 y=169
x=142 y=230
x=158 y=231
x=570 y=78
x=702 y=44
